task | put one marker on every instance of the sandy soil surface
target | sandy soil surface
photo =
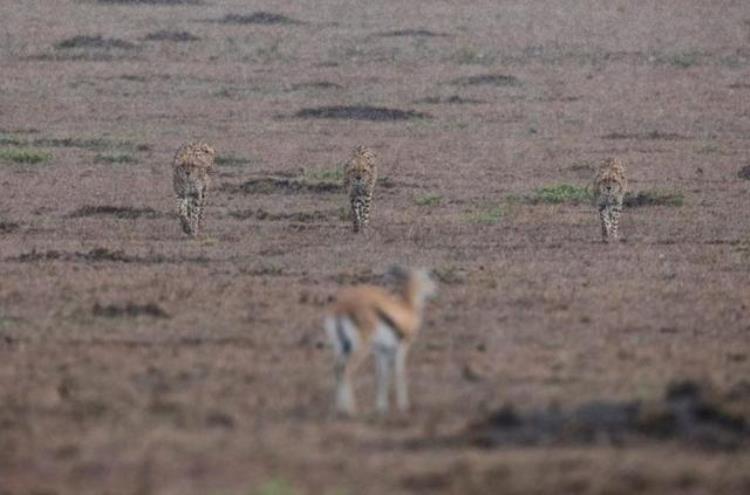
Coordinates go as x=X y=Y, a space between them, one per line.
x=136 y=361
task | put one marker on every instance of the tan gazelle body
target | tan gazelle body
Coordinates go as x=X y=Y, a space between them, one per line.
x=368 y=319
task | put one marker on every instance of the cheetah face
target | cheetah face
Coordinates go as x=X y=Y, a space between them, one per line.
x=207 y=149
x=610 y=187
x=360 y=178
x=206 y=153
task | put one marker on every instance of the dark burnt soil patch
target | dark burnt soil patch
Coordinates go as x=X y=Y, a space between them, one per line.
x=97 y=42
x=451 y=100
x=360 y=112
x=127 y=212
x=152 y=2
x=8 y=227
x=744 y=172
x=129 y=310
x=97 y=254
x=688 y=412
x=93 y=144
x=283 y=185
x=499 y=80
x=102 y=255
x=174 y=36
x=264 y=18
x=356 y=277
x=647 y=136
x=653 y=198
x=295 y=216
x=424 y=33
x=316 y=85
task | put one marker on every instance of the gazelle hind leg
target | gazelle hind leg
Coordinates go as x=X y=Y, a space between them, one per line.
x=402 y=391
x=342 y=335
x=385 y=347
x=344 y=396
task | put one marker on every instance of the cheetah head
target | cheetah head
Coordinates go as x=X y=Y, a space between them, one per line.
x=611 y=186
x=611 y=179
x=362 y=166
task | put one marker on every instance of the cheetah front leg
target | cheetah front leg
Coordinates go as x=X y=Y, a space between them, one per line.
x=614 y=216
x=183 y=211
x=200 y=208
x=357 y=214
x=366 y=210
x=604 y=217
x=195 y=213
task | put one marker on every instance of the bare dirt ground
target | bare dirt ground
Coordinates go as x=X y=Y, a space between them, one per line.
x=136 y=361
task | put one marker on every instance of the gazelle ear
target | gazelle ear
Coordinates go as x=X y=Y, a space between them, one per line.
x=395 y=276
x=397 y=271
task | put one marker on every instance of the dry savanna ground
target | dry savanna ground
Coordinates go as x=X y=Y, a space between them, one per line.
x=134 y=360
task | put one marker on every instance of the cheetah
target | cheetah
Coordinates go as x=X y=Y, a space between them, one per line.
x=368 y=319
x=360 y=175
x=192 y=164
x=610 y=186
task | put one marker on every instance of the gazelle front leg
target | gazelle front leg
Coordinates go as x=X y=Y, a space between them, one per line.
x=344 y=395
x=384 y=361
x=402 y=391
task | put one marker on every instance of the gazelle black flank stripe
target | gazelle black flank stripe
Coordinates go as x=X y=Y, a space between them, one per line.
x=390 y=323
x=346 y=344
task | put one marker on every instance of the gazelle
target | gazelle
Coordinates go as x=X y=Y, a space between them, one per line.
x=370 y=319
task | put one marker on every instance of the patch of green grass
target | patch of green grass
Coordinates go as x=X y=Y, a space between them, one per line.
x=93 y=144
x=10 y=140
x=232 y=161
x=114 y=158
x=324 y=175
x=449 y=275
x=223 y=93
x=708 y=148
x=24 y=155
x=472 y=56
x=682 y=60
x=275 y=487
x=344 y=214
x=653 y=198
x=7 y=322
x=560 y=193
x=429 y=200
x=486 y=215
